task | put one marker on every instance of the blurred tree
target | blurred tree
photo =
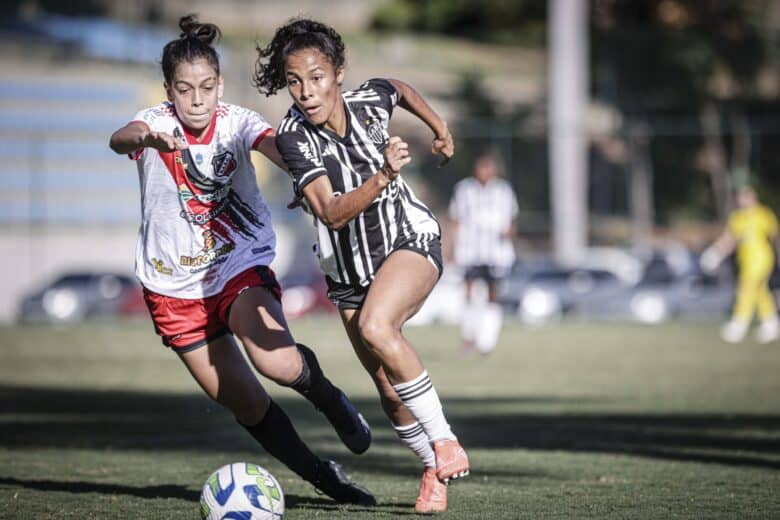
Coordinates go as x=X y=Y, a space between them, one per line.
x=494 y=21
x=694 y=82
x=666 y=60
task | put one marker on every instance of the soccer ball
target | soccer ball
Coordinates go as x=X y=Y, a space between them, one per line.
x=241 y=491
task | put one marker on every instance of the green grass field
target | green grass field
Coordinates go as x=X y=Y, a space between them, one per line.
x=572 y=421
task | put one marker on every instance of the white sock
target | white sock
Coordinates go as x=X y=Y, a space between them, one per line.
x=413 y=436
x=468 y=322
x=421 y=399
x=492 y=317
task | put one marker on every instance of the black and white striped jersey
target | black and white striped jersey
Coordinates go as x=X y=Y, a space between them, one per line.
x=353 y=254
x=484 y=213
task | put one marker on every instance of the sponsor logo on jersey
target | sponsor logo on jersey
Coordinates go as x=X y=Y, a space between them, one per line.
x=160 y=267
x=309 y=154
x=209 y=257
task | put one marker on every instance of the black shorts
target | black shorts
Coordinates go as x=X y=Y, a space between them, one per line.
x=345 y=296
x=488 y=273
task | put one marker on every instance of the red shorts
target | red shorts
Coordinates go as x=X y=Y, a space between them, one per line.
x=185 y=325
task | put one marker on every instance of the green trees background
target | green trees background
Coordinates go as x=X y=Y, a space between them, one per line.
x=692 y=87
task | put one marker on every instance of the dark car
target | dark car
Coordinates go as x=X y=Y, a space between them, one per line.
x=75 y=296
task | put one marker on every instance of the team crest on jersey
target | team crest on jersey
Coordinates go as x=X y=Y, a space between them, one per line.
x=376 y=132
x=374 y=127
x=224 y=164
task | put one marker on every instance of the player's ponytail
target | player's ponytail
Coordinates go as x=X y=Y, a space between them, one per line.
x=194 y=42
x=297 y=34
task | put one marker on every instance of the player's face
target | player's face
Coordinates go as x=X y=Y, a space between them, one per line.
x=195 y=91
x=746 y=198
x=485 y=169
x=315 y=86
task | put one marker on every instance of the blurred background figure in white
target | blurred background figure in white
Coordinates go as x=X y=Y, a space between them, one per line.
x=483 y=210
x=751 y=230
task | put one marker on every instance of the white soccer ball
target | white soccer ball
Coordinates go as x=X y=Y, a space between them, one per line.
x=241 y=491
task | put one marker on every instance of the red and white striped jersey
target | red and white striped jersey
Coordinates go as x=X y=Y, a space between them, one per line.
x=203 y=218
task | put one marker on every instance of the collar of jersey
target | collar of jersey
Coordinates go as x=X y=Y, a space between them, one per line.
x=191 y=139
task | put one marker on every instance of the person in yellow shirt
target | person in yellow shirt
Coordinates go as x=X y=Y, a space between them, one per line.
x=751 y=230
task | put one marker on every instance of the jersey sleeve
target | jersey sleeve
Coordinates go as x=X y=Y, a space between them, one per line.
x=303 y=157
x=253 y=129
x=513 y=207
x=454 y=211
x=388 y=95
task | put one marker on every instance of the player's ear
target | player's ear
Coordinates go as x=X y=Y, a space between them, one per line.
x=220 y=87
x=168 y=92
x=340 y=75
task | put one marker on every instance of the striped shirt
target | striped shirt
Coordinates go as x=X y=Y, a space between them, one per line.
x=353 y=254
x=484 y=213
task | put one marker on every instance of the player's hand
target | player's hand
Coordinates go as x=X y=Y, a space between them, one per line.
x=163 y=142
x=709 y=260
x=396 y=157
x=296 y=202
x=442 y=144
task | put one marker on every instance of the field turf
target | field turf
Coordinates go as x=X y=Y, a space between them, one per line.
x=573 y=421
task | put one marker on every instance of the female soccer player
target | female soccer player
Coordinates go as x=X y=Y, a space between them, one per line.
x=378 y=244
x=204 y=247
x=751 y=230
x=483 y=210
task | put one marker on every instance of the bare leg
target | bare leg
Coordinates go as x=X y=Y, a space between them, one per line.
x=257 y=319
x=409 y=431
x=220 y=369
x=392 y=405
x=397 y=293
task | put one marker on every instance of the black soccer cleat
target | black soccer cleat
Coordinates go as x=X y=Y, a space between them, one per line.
x=332 y=481
x=351 y=427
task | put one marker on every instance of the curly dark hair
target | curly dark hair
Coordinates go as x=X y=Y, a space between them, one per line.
x=297 y=34
x=194 y=42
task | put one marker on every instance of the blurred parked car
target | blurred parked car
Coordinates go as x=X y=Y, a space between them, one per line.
x=78 y=295
x=305 y=292
x=549 y=292
x=668 y=287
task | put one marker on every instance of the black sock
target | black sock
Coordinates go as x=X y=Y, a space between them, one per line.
x=312 y=383
x=277 y=435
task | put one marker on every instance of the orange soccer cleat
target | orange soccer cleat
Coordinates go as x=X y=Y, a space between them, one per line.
x=433 y=493
x=451 y=460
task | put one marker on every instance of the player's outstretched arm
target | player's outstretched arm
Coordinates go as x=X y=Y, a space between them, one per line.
x=712 y=256
x=411 y=100
x=268 y=148
x=136 y=135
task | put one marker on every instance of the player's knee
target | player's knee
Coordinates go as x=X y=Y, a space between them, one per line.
x=282 y=367
x=376 y=332
x=283 y=373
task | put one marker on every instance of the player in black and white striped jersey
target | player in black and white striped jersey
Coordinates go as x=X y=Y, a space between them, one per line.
x=379 y=245
x=483 y=210
x=396 y=220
